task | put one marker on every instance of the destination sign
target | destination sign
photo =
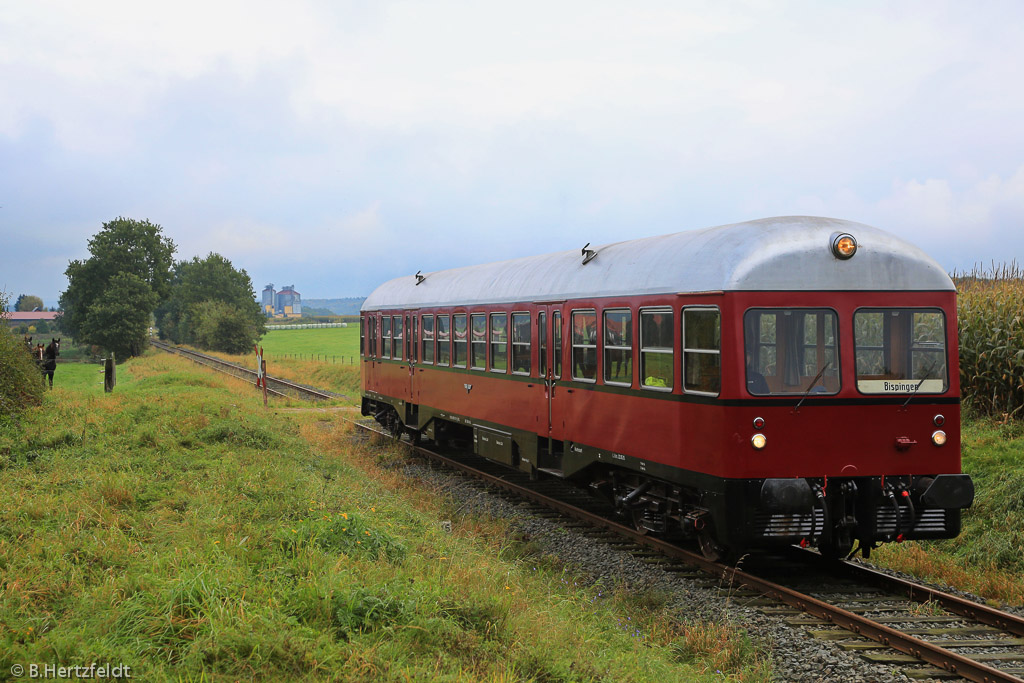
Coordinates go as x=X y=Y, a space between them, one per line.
x=901 y=386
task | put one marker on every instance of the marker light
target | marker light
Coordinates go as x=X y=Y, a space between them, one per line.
x=939 y=420
x=758 y=441
x=758 y=422
x=939 y=437
x=844 y=245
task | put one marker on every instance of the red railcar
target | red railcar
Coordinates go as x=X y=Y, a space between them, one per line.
x=787 y=380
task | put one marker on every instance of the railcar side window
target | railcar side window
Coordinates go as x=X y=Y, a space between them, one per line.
x=791 y=351
x=478 y=345
x=542 y=342
x=460 y=341
x=618 y=347
x=702 y=343
x=396 y=330
x=385 y=333
x=443 y=340
x=499 y=342
x=521 y=343
x=584 y=346
x=428 y=339
x=656 y=343
x=362 y=336
x=556 y=343
x=900 y=350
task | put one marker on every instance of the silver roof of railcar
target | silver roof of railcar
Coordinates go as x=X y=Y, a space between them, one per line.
x=785 y=253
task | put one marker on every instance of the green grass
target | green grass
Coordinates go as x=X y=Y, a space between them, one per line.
x=334 y=344
x=988 y=555
x=178 y=527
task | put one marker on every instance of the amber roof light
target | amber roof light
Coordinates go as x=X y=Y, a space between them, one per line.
x=844 y=245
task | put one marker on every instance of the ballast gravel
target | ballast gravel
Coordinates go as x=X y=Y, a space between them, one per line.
x=796 y=656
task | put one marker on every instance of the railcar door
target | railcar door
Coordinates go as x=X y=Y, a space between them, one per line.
x=372 y=352
x=550 y=331
x=412 y=345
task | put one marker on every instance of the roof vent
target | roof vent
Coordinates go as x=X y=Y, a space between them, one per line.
x=588 y=254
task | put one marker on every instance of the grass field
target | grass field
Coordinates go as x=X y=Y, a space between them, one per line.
x=177 y=527
x=333 y=344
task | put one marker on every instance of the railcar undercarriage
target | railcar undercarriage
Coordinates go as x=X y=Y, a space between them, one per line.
x=839 y=516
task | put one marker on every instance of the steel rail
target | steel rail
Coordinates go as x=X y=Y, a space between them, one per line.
x=243 y=373
x=1011 y=623
x=863 y=626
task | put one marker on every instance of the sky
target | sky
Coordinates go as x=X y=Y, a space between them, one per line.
x=334 y=145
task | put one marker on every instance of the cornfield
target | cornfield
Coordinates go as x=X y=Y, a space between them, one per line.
x=991 y=319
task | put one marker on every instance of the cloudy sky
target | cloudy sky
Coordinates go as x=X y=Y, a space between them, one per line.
x=334 y=145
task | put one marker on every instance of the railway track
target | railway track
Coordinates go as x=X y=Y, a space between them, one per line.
x=928 y=633
x=275 y=386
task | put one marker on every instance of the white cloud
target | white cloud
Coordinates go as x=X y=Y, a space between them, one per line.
x=959 y=221
x=500 y=125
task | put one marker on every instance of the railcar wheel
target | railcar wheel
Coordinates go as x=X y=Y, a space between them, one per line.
x=637 y=515
x=711 y=549
x=394 y=425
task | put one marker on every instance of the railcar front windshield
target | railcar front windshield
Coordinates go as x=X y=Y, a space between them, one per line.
x=900 y=350
x=791 y=351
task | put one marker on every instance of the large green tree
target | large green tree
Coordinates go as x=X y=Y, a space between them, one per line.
x=212 y=305
x=28 y=302
x=119 y=319
x=123 y=247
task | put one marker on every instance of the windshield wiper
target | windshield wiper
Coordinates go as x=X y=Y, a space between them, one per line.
x=811 y=385
x=927 y=375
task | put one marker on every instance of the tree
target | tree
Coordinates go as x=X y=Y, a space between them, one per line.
x=222 y=327
x=119 y=319
x=211 y=305
x=28 y=302
x=123 y=246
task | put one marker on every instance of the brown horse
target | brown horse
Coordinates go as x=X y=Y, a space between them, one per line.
x=48 y=358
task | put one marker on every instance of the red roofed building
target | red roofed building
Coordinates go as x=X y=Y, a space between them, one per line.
x=15 y=318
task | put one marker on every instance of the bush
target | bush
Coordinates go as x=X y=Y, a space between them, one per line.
x=991 y=320
x=21 y=383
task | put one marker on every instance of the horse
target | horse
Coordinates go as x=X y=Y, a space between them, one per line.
x=49 y=358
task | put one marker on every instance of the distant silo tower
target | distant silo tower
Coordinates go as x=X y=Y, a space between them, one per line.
x=289 y=302
x=269 y=303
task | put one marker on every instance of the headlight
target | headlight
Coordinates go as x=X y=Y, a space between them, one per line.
x=844 y=245
x=939 y=437
x=758 y=441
